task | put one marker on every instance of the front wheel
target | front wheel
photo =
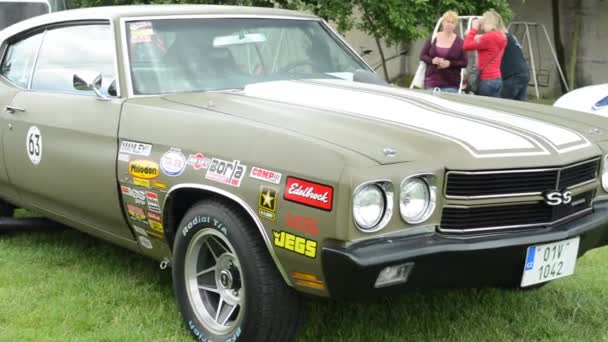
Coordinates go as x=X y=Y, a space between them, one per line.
x=226 y=284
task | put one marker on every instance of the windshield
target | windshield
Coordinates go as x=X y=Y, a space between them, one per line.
x=13 y=12
x=188 y=55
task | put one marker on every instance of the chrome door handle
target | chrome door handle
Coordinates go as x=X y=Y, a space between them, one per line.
x=13 y=109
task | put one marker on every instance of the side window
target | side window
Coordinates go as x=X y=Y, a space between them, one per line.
x=73 y=50
x=19 y=60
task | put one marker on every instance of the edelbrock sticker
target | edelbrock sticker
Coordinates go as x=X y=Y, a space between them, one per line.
x=309 y=193
x=136 y=148
x=226 y=172
x=33 y=145
x=265 y=175
x=173 y=162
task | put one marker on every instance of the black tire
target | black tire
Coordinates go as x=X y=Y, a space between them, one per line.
x=6 y=210
x=269 y=310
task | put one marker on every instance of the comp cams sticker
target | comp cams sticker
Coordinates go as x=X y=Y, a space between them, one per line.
x=265 y=175
x=33 y=145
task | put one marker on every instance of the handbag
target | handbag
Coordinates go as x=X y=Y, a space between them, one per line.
x=419 y=76
x=474 y=77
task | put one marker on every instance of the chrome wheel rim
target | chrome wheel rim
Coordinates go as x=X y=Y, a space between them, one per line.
x=214 y=281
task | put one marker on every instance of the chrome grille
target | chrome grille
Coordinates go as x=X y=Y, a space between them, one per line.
x=504 y=183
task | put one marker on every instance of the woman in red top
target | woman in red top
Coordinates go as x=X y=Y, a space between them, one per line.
x=490 y=46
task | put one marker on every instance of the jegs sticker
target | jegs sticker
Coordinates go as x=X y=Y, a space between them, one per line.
x=198 y=161
x=296 y=244
x=173 y=162
x=265 y=175
x=33 y=145
x=136 y=148
x=309 y=193
x=226 y=172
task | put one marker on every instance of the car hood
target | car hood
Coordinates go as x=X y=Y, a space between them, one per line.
x=392 y=125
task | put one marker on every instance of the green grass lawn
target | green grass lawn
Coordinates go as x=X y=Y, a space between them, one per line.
x=66 y=286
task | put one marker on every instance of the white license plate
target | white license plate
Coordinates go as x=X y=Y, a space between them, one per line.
x=550 y=261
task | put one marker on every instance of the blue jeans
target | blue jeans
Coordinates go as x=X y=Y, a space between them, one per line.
x=490 y=87
x=445 y=90
x=515 y=87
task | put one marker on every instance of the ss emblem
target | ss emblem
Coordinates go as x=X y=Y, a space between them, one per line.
x=556 y=198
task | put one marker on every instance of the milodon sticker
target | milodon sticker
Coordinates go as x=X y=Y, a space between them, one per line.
x=136 y=212
x=173 y=162
x=294 y=243
x=198 y=161
x=141 y=182
x=265 y=175
x=304 y=224
x=268 y=203
x=144 y=169
x=309 y=193
x=136 y=148
x=33 y=145
x=153 y=203
x=227 y=172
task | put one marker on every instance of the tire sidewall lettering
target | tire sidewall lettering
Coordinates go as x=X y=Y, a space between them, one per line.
x=199 y=336
x=208 y=222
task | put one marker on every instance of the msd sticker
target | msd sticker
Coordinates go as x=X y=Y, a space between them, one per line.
x=226 y=172
x=308 y=193
x=265 y=175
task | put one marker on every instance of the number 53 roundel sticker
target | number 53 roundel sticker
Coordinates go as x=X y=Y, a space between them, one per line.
x=33 y=144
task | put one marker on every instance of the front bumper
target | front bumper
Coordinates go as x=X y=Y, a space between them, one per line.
x=442 y=261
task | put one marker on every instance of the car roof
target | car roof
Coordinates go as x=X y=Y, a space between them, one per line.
x=116 y=12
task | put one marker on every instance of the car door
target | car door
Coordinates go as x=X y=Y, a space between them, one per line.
x=15 y=74
x=61 y=151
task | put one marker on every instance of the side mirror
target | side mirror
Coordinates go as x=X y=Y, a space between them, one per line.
x=365 y=76
x=87 y=81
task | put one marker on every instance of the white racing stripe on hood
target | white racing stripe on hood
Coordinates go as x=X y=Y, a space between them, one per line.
x=481 y=139
x=560 y=138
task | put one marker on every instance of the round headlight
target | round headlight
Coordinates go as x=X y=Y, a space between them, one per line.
x=605 y=174
x=415 y=200
x=368 y=206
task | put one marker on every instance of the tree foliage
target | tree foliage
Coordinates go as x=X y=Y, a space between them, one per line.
x=390 y=21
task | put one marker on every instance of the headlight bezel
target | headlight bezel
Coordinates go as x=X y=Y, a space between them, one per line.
x=429 y=180
x=386 y=188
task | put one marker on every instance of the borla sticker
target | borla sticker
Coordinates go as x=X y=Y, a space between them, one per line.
x=226 y=172
x=33 y=145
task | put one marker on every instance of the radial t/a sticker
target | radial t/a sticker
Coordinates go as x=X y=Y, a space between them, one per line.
x=33 y=145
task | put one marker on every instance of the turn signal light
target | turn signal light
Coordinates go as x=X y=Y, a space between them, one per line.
x=308 y=280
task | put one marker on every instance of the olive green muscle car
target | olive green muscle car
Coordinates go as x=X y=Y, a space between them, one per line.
x=254 y=152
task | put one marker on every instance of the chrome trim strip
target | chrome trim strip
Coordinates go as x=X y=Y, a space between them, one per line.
x=517 y=194
x=389 y=197
x=29 y=83
x=499 y=228
x=245 y=206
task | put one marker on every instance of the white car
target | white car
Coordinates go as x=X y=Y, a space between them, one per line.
x=591 y=99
